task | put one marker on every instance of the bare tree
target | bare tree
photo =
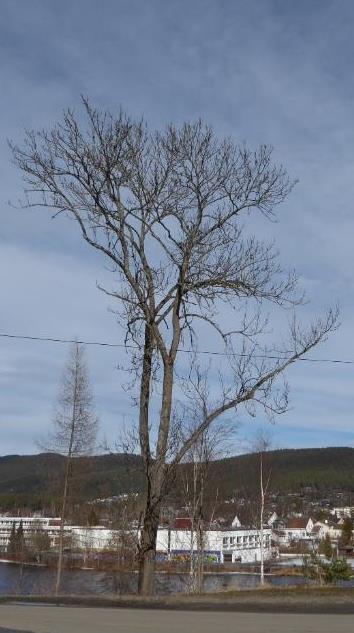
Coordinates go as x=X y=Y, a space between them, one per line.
x=262 y=445
x=39 y=542
x=199 y=501
x=165 y=209
x=74 y=430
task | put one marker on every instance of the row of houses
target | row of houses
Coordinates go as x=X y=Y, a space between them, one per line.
x=305 y=530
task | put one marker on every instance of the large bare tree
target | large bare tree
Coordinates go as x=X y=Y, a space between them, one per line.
x=166 y=209
x=74 y=431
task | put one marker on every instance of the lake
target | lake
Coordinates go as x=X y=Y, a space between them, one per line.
x=25 y=580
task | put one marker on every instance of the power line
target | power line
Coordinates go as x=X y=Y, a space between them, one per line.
x=48 y=339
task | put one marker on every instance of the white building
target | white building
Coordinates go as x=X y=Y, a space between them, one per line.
x=232 y=545
x=322 y=528
x=30 y=525
x=92 y=538
x=298 y=529
x=344 y=512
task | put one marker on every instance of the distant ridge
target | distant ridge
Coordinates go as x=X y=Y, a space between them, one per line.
x=29 y=480
x=292 y=470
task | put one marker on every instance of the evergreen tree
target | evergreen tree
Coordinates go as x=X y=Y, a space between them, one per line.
x=347 y=528
x=12 y=544
x=20 y=540
x=326 y=573
x=326 y=547
x=93 y=516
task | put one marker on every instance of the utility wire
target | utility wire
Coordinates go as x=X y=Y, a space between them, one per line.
x=47 y=339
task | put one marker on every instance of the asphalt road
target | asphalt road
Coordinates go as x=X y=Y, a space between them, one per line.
x=53 y=619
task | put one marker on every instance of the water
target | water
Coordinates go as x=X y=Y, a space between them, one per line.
x=26 y=580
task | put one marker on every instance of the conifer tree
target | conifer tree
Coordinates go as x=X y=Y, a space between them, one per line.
x=75 y=429
x=20 y=540
x=11 y=547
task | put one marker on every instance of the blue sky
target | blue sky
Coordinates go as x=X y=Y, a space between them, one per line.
x=264 y=71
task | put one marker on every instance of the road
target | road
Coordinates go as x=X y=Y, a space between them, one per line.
x=53 y=619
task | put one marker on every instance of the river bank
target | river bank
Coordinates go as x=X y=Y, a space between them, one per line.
x=329 y=600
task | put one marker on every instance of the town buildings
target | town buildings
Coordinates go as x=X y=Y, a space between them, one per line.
x=236 y=544
x=343 y=512
x=232 y=544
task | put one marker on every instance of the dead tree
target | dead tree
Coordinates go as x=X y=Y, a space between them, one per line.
x=165 y=208
x=74 y=431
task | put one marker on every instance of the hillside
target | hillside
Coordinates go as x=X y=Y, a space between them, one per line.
x=292 y=470
x=31 y=480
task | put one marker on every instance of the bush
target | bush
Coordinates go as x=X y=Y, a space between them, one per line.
x=326 y=573
x=338 y=570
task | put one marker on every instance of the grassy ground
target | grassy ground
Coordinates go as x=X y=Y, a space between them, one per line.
x=280 y=600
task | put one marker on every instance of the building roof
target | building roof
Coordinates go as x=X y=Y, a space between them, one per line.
x=183 y=523
x=297 y=523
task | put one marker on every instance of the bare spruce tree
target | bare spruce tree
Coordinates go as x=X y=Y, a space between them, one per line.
x=167 y=209
x=74 y=430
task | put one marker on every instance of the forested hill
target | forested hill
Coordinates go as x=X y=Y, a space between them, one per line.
x=25 y=479
x=292 y=470
x=36 y=480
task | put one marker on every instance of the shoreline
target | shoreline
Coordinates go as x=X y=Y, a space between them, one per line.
x=9 y=561
x=268 y=600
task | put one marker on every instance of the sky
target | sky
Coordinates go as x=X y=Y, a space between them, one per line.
x=263 y=71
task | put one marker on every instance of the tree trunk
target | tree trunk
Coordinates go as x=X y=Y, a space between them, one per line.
x=192 y=559
x=148 y=534
x=147 y=549
x=200 y=558
x=155 y=471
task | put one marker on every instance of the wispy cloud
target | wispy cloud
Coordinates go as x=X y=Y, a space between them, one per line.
x=267 y=71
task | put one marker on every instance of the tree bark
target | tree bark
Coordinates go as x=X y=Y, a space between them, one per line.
x=148 y=548
x=200 y=550
x=155 y=470
x=147 y=544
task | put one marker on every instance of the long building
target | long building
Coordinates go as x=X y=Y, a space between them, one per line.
x=227 y=545
x=30 y=525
